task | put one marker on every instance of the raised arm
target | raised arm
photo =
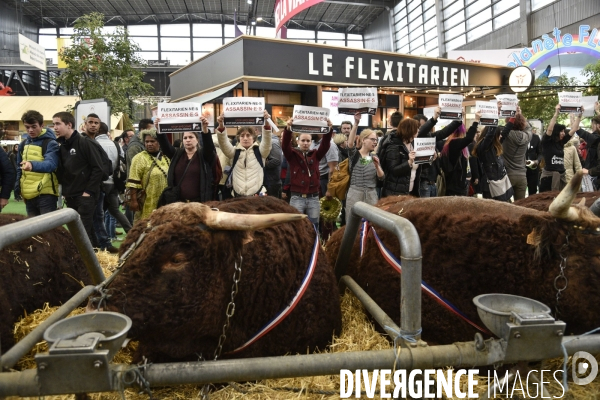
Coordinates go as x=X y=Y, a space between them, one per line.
x=553 y=120
x=575 y=119
x=165 y=146
x=428 y=126
x=209 y=151
x=224 y=143
x=265 y=144
x=286 y=142
x=352 y=136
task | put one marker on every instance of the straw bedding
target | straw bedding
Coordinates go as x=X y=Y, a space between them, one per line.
x=358 y=334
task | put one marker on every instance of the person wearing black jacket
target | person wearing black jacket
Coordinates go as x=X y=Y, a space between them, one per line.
x=190 y=169
x=488 y=151
x=429 y=172
x=455 y=159
x=7 y=179
x=533 y=158
x=592 y=161
x=397 y=156
x=80 y=170
x=553 y=150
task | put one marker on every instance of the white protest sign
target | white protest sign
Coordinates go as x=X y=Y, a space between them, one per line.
x=354 y=100
x=489 y=113
x=570 y=102
x=243 y=111
x=424 y=150
x=509 y=104
x=32 y=53
x=451 y=105
x=179 y=117
x=588 y=105
x=310 y=119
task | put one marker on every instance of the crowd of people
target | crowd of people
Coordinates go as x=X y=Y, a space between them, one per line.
x=115 y=182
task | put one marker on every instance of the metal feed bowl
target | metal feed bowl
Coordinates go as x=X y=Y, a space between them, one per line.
x=86 y=332
x=496 y=310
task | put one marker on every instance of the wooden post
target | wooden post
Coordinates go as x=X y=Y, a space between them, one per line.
x=319 y=96
x=245 y=88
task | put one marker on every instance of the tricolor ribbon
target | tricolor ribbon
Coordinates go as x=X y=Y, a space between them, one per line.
x=294 y=302
x=395 y=263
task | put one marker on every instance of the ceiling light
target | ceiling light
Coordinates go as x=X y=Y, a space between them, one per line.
x=259 y=19
x=249 y=1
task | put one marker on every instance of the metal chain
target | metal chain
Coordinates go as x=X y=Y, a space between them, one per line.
x=229 y=311
x=561 y=282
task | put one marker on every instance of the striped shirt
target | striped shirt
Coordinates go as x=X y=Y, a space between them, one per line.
x=363 y=175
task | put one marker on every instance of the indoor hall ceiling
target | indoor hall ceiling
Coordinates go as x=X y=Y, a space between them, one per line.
x=352 y=16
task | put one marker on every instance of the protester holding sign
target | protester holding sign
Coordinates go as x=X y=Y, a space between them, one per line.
x=515 y=145
x=455 y=159
x=303 y=168
x=364 y=167
x=246 y=175
x=553 y=149
x=592 y=161
x=488 y=150
x=398 y=157
x=191 y=173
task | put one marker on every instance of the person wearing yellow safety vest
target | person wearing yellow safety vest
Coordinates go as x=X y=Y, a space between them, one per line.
x=37 y=160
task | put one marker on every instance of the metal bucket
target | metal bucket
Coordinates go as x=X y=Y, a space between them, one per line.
x=88 y=332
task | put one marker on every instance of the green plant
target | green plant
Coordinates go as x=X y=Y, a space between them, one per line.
x=101 y=65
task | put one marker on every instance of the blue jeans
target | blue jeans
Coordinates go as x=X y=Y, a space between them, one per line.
x=427 y=190
x=103 y=240
x=110 y=223
x=42 y=204
x=309 y=206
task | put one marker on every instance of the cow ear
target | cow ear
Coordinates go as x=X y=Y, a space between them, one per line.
x=248 y=237
x=534 y=225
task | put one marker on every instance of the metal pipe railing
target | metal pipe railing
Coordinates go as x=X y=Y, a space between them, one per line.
x=371 y=306
x=29 y=227
x=410 y=249
x=415 y=356
x=14 y=354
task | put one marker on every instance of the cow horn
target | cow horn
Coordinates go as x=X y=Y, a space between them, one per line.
x=220 y=220
x=561 y=206
x=582 y=202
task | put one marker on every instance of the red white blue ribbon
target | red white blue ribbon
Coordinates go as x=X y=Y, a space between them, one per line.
x=294 y=302
x=364 y=234
x=395 y=263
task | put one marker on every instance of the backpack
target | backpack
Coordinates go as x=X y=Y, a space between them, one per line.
x=229 y=181
x=106 y=164
x=120 y=172
x=340 y=178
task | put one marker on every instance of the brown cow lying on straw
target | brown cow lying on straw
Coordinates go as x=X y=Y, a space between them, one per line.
x=473 y=246
x=177 y=285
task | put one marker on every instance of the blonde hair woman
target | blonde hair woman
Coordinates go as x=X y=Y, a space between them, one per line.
x=364 y=166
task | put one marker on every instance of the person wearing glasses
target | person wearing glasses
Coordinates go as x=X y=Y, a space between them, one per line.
x=364 y=166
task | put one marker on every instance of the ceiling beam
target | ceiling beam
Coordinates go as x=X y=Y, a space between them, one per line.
x=380 y=4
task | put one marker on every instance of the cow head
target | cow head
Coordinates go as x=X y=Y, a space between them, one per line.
x=571 y=231
x=177 y=283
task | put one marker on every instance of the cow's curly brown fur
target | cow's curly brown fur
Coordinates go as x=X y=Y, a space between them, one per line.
x=177 y=285
x=542 y=201
x=34 y=272
x=472 y=246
